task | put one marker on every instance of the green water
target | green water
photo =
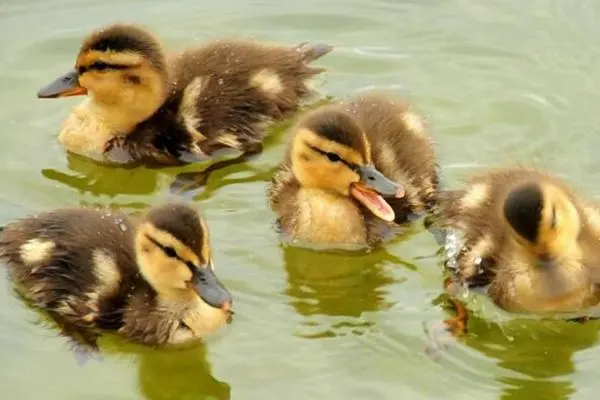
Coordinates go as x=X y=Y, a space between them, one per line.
x=500 y=81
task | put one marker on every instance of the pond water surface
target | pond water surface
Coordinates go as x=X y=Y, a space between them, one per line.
x=500 y=82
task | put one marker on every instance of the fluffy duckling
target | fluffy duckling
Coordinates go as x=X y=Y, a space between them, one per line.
x=527 y=237
x=353 y=170
x=145 y=107
x=150 y=280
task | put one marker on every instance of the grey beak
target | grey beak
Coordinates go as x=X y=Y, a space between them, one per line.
x=63 y=86
x=210 y=289
x=371 y=177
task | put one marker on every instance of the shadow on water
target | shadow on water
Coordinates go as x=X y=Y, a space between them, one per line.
x=537 y=354
x=343 y=285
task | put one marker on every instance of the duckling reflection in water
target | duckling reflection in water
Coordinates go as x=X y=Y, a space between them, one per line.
x=150 y=280
x=353 y=172
x=535 y=356
x=147 y=107
x=88 y=177
x=525 y=237
x=177 y=375
x=341 y=285
x=169 y=373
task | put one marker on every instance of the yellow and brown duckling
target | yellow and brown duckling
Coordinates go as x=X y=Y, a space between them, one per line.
x=146 y=107
x=353 y=170
x=527 y=238
x=151 y=280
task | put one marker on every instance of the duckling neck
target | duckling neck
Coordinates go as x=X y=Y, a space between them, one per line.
x=329 y=218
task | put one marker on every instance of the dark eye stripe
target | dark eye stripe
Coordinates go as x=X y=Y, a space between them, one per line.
x=333 y=157
x=102 y=66
x=170 y=252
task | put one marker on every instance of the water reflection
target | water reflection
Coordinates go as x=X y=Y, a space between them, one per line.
x=89 y=177
x=537 y=355
x=344 y=285
x=184 y=374
x=165 y=374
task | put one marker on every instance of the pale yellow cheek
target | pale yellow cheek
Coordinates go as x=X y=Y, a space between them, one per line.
x=338 y=178
x=173 y=274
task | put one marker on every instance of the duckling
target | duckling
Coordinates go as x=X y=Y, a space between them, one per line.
x=150 y=280
x=527 y=238
x=353 y=170
x=145 y=107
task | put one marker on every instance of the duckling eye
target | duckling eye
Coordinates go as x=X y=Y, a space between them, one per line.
x=133 y=79
x=100 y=66
x=170 y=252
x=333 y=157
x=553 y=220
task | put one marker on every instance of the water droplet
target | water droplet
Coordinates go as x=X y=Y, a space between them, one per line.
x=220 y=81
x=122 y=227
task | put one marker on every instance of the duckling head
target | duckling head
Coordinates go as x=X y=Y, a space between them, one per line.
x=122 y=67
x=544 y=220
x=173 y=251
x=330 y=152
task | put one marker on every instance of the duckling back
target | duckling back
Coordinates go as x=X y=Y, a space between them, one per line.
x=76 y=264
x=402 y=149
x=221 y=96
x=239 y=85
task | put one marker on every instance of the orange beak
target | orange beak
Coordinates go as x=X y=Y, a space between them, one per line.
x=64 y=86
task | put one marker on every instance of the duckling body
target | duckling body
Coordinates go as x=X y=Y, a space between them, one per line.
x=527 y=238
x=353 y=170
x=92 y=269
x=147 y=107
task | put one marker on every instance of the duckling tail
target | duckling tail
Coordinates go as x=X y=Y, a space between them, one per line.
x=312 y=51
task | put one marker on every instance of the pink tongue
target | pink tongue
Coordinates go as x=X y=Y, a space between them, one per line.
x=375 y=203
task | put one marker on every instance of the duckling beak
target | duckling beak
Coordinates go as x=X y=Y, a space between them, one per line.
x=369 y=189
x=211 y=290
x=64 y=86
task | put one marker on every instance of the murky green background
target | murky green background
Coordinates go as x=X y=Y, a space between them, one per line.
x=500 y=81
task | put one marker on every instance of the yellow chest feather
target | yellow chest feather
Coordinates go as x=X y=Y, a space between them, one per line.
x=329 y=219
x=199 y=318
x=85 y=134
